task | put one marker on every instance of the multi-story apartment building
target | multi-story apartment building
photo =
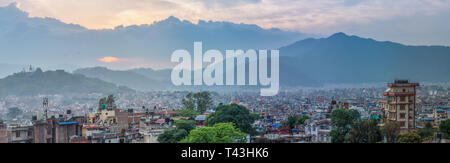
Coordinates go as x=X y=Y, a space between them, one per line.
x=440 y=113
x=400 y=104
x=21 y=134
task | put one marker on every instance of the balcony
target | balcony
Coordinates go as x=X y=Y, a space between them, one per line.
x=399 y=93
x=393 y=110
x=403 y=84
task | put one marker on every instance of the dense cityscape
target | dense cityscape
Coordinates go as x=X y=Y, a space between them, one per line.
x=300 y=115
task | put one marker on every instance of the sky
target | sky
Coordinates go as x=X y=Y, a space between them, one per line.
x=412 y=22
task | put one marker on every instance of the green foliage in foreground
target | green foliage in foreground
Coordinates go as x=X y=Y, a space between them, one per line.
x=391 y=131
x=187 y=125
x=444 y=128
x=412 y=137
x=342 y=121
x=237 y=114
x=172 y=135
x=426 y=133
x=219 y=133
x=365 y=131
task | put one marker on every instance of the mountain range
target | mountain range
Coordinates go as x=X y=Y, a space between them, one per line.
x=338 y=59
x=45 y=42
x=305 y=60
x=341 y=58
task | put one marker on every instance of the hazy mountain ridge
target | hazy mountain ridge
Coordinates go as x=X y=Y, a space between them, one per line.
x=54 y=82
x=343 y=59
x=128 y=78
x=46 y=41
x=350 y=59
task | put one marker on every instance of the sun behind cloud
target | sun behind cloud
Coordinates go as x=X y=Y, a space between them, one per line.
x=108 y=59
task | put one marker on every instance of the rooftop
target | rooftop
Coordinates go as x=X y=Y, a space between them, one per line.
x=401 y=81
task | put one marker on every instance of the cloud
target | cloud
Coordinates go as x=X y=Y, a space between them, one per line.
x=310 y=16
x=226 y=3
x=285 y=14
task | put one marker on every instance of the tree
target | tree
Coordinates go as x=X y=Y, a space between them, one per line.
x=295 y=120
x=188 y=113
x=109 y=101
x=444 y=128
x=342 y=120
x=101 y=103
x=238 y=114
x=189 y=101
x=412 y=137
x=365 y=131
x=187 y=125
x=255 y=116
x=199 y=102
x=13 y=112
x=219 y=133
x=172 y=135
x=427 y=132
x=338 y=136
x=391 y=131
x=204 y=101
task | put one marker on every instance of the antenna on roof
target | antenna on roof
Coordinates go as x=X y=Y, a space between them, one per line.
x=45 y=105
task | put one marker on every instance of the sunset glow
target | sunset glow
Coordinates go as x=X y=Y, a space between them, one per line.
x=379 y=19
x=109 y=59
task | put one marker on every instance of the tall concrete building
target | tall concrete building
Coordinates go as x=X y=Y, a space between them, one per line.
x=400 y=104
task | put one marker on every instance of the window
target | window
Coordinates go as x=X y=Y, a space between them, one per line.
x=402 y=107
x=402 y=98
x=17 y=134
x=402 y=124
x=402 y=115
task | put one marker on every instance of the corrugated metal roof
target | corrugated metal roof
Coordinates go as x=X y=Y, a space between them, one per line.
x=67 y=123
